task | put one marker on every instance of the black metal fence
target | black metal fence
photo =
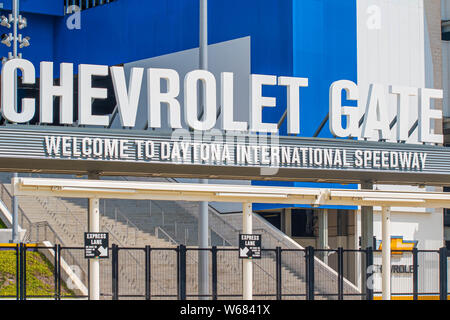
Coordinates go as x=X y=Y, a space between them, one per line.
x=28 y=272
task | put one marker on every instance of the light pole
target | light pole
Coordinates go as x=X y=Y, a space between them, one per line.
x=203 y=270
x=18 y=22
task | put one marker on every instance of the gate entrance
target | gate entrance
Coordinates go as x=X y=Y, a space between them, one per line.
x=96 y=189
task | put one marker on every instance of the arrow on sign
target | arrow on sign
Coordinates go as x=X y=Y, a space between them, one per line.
x=103 y=252
x=244 y=252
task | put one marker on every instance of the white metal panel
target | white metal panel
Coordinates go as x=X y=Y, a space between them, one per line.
x=393 y=52
x=414 y=229
x=446 y=76
x=230 y=56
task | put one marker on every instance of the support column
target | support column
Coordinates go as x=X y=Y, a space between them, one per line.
x=366 y=233
x=283 y=220
x=94 y=264
x=323 y=233
x=288 y=221
x=367 y=221
x=247 y=267
x=92 y=175
x=386 y=253
x=15 y=203
x=203 y=255
x=15 y=217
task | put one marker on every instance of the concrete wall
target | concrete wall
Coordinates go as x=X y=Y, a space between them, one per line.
x=6 y=235
x=445 y=12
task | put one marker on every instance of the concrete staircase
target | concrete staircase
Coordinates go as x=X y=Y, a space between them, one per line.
x=69 y=221
x=130 y=235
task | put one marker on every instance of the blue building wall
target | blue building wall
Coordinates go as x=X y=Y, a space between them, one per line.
x=47 y=7
x=125 y=31
x=269 y=24
x=325 y=50
x=41 y=30
x=324 y=42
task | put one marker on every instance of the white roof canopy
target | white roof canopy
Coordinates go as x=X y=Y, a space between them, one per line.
x=81 y=188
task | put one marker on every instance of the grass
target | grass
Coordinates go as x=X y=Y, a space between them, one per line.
x=2 y=225
x=40 y=277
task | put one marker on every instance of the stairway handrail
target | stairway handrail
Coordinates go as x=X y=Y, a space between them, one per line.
x=158 y=229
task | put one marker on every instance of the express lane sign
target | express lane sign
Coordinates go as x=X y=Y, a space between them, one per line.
x=96 y=245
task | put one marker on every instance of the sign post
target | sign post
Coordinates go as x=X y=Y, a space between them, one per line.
x=386 y=253
x=250 y=246
x=94 y=264
x=247 y=267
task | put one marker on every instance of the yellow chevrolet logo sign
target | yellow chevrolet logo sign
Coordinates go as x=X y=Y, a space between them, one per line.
x=398 y=245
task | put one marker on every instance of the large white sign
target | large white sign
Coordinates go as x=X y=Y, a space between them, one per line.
x=375 y=116
x=231 y=154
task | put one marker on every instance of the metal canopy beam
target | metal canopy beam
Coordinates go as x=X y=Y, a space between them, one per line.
x=226 y=193
x=114 y=168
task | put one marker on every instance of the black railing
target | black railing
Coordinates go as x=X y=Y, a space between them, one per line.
x=169 y=274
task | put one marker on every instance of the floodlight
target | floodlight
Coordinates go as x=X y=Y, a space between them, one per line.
x=6 y=39
x=23 y=23
x=4 y=22
x=24 y=42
